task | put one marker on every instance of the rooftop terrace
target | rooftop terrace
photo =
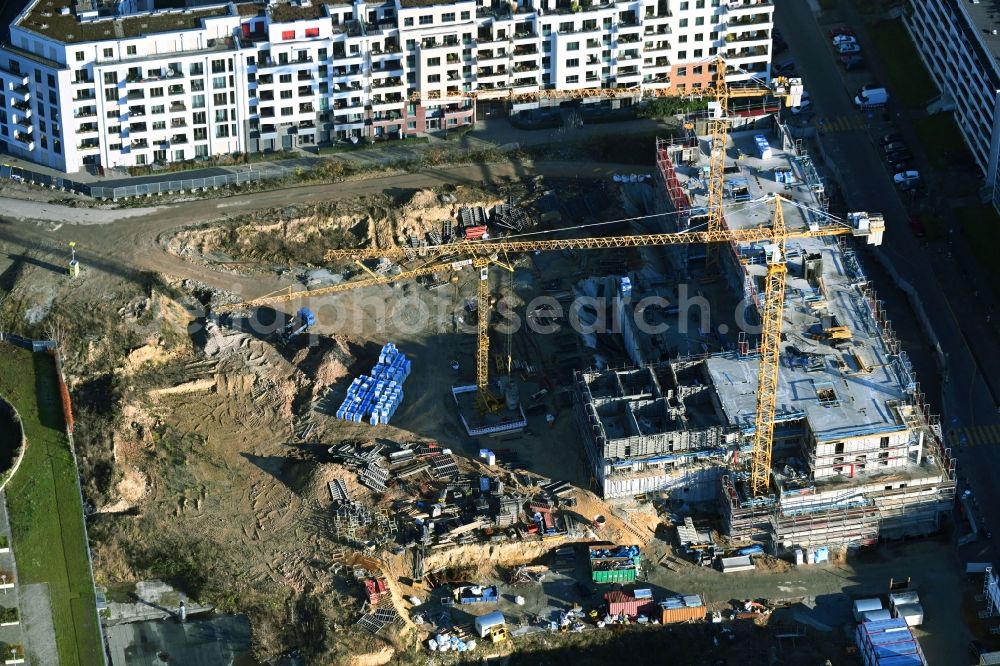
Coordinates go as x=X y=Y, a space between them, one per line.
x=45 y=18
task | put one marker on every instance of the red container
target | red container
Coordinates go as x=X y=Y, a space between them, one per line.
x=620 y=603
x=475 y=232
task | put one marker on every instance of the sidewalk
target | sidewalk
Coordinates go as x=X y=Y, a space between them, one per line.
x=492 y=133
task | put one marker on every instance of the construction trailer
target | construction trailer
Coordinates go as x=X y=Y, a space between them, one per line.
x=486 y=624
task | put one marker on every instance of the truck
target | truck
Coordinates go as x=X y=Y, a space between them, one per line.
x=301 y=322
x=871 y=98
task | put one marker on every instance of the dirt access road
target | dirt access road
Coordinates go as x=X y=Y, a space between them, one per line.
x=124 y=242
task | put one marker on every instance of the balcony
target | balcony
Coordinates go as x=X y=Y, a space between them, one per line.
x=656 y=47
x=628 y=38
x=391 y=100
x=524 y=36
x=526 y=67
x=134 y=95
x=307 y=108
x=140 y=143
x=304 y=75
x=267 y=112
x=305 y=91
x=306 y=125
x=520 y=51
x=267 y=96
x=178 y=139
x=82 y=80
x=136 y=111
x=175 y=90
x=24 y=122
x=753 y=19
x=84 y=95
x=137 y=128
x=88 y=128
x=177 y=107
x=751 y=52
x=178 y=122
x=492 y=55
x=89 y=144
x=391 y=82
x=26 y=108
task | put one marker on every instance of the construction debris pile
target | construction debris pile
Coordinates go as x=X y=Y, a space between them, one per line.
x=376 y=398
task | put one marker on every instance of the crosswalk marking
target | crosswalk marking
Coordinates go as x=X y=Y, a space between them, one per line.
x=839 y=124
x=984 y=435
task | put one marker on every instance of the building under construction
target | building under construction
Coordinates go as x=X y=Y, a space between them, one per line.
x=856 y=454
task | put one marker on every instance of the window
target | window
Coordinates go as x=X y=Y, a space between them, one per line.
x=218 y=82
x=575 y=78
x=57 y=146
x=140 y=160
x=434 y=78
x=79 y=56
x=573 y=46
x=159 y=124
x=682 y=55
x=112 y=115
x=699 y=20
x=698 y=53
x=682 y=39
x=426 y=20
x=411 y=125
x=466 y=16
x=573 y=62
x=433 y=62
x=197 y=101
x=684 y=6
x=156 y=92
x=286 y=94
x=221 y=131
x=198 y=118
x=110 y=78
x=219 y=99
x=683 y=23
x=201 y=151
x=111 y=94
x=312 y=32
x=130 y=50
x=179 y=155
x=408 y=23
x=285 y=78
x=322 y=54
x=156 y=109
x=288 y=34
x=200 y=133
x=221 y=116
x=109 y=53
x=448 y=17
x=287 y=110
x=197 y=85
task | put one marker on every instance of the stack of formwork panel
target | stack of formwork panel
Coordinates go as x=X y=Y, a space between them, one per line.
x=376 y=398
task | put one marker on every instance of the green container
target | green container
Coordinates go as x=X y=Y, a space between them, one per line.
x=614 y=576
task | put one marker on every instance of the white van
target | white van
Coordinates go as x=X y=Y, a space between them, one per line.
x=871 y=98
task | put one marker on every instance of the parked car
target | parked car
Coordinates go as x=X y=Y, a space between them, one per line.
x=852 y=62
x=844 y=39
x=784 y=69
x=899 y=157
x=906 y=177
x=894 y=137
x=893 y=147
x=917 y=226
x=901 y=165
x=848 y=48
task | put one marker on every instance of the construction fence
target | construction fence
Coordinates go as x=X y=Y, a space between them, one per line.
x=247 y=175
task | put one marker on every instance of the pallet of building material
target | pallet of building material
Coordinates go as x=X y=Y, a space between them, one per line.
x=338 y=491
x=558 y=488
x=410 y=469
x=443 y=466
x=447 y=231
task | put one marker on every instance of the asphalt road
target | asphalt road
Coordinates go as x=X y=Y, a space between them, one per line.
x=947 y=289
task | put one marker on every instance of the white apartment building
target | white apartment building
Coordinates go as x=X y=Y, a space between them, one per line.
x=113 y=83
x=959 y=41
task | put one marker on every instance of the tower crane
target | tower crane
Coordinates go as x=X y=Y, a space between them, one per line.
x=789 y=90
x=484 y=252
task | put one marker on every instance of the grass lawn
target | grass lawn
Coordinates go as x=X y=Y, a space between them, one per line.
x=45 y=507
x=942 y=140
x=908 y=76
x=980 y=224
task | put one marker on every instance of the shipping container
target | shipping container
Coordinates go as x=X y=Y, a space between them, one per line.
x=888 y=643
x=913 y=614
x=614 y=576
x=682 y=608
x=621 y=603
